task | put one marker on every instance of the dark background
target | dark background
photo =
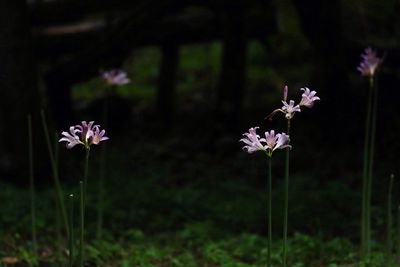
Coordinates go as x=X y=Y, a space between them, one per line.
x=202 y=73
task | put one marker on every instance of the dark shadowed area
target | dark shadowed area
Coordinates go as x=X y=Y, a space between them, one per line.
x=175 y=84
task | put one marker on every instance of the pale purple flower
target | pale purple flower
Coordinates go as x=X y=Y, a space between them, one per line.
x=285 y=92
x=115 y=77
x=290 y=109
x=283 y=141
x=98 y=135
x=84 y=134
x=370 y=62
x=308 y=97
x=278 y=141
x=85 y=129
x=71 y=138
x=252 y=141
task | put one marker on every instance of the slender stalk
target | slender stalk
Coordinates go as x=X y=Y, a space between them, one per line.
x=56 y=150
x=71 y=231
x=32 y=186
x=398 y=233
x=364 y=212
x=82 y=223
x=58 y=209
x=389 y=244
x=371 y=163
x=55 y=174
x=100 y=190
x=85 y=175
x=83 y=191
x=58 y=229
x=286 y=202
x=269 y=210
x=100 y=193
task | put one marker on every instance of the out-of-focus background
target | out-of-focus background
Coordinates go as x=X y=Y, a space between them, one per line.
x=202 y=73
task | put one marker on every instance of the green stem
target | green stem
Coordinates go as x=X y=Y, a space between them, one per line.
x=83 y=191
x=85 y=175
x=56 y=154
x=269 y=210
x=364 y=213
x=32 y=186
x=286 y=202
x=58 y=212
x=389 y=245
x=398 y=233
x=58 y=229
x=370 y=164
x=55 y=174
x=82 y=223
x=100 y=190
x=71 y=230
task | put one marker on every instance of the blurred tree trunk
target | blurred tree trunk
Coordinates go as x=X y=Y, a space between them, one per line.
x=18 y=88
x=166 y=83
x=233 y=67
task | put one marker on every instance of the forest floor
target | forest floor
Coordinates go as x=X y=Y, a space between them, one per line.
x=170 y=203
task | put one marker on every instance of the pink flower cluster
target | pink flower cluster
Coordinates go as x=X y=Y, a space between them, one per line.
x=307 y=100
x=85 y=134
x=269 y=144
x=370 y=62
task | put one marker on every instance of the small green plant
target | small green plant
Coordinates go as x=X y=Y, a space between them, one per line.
x=71 y=231
x=368 y=68
x=389 y=242
x=59 y=191
x=32 y=186
x=89 y=134
x=269 y=144
x=112 y=78
x=289 y=109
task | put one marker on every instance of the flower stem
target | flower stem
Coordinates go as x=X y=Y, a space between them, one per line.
x=102 y=176
x=83 y=191
x=389 y=221
x=371 y=163
x=85 y=175
x=58 y=229
x=32 y=186
x=71 y=231
x=55 y=174
x=398 y=233
x=58 y=211
x=269 y=210
x=100 y=193
x=82 y=223
x=364 y=208
x=286 y=202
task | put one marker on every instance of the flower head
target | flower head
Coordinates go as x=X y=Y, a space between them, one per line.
x=308 y=97
x=252 y=141
x=71 y=138
x=370 y=62
x=278 y=141
x=84 y=134
x=98 y=135
x=115 y=77
x=290 y=109
x=85 y=129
